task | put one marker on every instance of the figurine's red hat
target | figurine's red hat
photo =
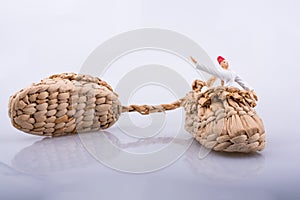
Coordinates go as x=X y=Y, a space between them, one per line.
x=220 y=59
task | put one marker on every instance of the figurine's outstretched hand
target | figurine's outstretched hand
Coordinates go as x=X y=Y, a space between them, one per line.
x=193 y=59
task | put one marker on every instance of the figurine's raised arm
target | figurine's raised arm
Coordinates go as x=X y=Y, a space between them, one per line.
x=218 y=72
x=223 y=73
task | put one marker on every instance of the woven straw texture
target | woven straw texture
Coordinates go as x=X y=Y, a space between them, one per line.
x=220 y=118
x=224 y=119
x=64 y=104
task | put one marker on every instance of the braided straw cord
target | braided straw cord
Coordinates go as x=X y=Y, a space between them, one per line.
x=147 y=109
x=224 y=119
x=64 y=104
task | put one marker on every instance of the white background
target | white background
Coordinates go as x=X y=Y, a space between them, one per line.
x=259 y=38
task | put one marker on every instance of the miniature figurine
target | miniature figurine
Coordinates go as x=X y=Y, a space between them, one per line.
x=224 y=73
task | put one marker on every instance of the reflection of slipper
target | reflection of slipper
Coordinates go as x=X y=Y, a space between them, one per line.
x=53 y=154
x=224 y=165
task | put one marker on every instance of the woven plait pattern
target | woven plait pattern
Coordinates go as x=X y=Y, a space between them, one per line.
x=220 y=118
x=224 y=119
x=65 y=104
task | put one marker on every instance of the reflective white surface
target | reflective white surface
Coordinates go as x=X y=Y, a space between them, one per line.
x=61 y=168
x=261 y=39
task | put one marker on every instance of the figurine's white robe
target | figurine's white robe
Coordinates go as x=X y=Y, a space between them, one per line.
x=228 y=76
